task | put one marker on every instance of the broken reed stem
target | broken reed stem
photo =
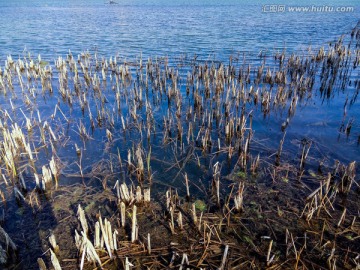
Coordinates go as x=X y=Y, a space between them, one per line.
x=187 y=186
x=239 y=197
x=82 y=218
x=127 y=264
x=223 y=261
x=134 y=225
x=148 y=244
x=106 y=236
x=342 y=218
x=268 y=262
x=41 y=263
x=180 y=220
x=53 y=244
x=122 y=214
x=304 y=154
x=278 y=154
x=88 y=249
x=171 y=222
x=184 y=260
x=97 y=235
x=216 y=179
x=55 y=261
x=194 y=213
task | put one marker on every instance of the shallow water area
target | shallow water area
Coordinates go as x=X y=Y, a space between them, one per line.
x=242 y=125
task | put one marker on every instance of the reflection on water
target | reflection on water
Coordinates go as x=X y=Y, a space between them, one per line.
x=198 y=100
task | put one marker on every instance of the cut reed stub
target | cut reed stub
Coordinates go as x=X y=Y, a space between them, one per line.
x=134 y=226
x=82 y=219
x=128 y=264
x=46 y=177
x=187 y=187
x=148 y=244
x=147 y=196
x=239 y=198
x=130 y=197
x=122 y=214
x=77 y=149
x=54 y=260
x=53 y=244
x=224 y=258
x=87 y=250
x=194 y=215
x=54 y=170
x=41 y=264
x=107 y=235
x=347 y=177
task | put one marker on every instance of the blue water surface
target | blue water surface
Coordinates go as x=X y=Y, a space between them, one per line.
x=158 y=27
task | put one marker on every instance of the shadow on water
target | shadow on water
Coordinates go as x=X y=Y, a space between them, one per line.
x=30 y=228
x=30 y=224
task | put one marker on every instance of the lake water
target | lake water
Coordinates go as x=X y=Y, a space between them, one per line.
x=206 y=30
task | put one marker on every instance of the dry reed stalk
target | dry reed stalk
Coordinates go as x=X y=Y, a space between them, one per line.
x=55 y=261
x=53 y=244
x=125 y=194
x=187 y=186
x=134 y=225
x=37 y=181
x=148 y=244
x=147 y=197
x=278 y=154
x=216 y=179
x=138 y=196
x=180 y=221
x=54 y=170
x=268 y=259
x=255 y=164
x=97 y=235
x=193 y=211
x=304 y=154
x=239 y=197
x=128 y=264
x=122 y=214
x=82 y=218
x=106 y=236
x=168 y=199
x=41 y=264
x=46 y=176
x=109 y=135
x=348 y=177
x=171 y=222
x=184 y=260
x=88 y=250
x=342 y=218
x=224 y=258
